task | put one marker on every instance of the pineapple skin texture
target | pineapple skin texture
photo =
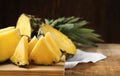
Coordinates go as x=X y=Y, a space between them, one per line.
x=20 y=56
x=43 y=53
x=64 y=43
x=8 y=42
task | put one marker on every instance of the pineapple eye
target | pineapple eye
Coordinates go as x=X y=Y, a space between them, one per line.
x=53 y=62
x=32 y=61
x=18 y=63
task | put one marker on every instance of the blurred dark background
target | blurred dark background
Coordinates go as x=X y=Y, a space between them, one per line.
x=103 y=15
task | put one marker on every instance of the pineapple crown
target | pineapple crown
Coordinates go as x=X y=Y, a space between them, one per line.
x=73 y=27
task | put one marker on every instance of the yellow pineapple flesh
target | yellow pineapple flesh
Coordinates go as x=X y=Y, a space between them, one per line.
x=43 y=53
x=8 y=42
x=28 y=24
x=20 y=56
x=64 y=43
x=7 y=29
x=52 y=43
x=24 y=25
x=31 y=44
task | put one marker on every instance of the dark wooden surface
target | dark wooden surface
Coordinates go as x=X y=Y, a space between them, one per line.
x=107 y=67
x=103 y=15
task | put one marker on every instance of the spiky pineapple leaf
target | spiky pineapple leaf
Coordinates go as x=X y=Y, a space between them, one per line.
x=68 y=19
x=73 y=20
x=80 y=24
x=66 y=26
x=73 y=27
x=55 y=22
x=47 y=21
x=76 y=38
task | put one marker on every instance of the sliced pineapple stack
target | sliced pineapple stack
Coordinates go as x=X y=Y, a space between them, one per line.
x=20 y=56
x=45 y=51
x=33 y=24
x=9 y=38
x=70 y=30
x=58 y=35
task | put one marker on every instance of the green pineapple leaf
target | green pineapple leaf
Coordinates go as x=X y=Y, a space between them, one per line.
x=73 y=27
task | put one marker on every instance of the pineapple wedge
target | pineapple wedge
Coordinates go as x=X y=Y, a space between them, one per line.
x=45 y=53
x=64 y=43
x=23 y=24
x=7 y=29
x=28 y=24
x=20 y=56
x=9 y=38
x=52 y=43
x=31 y=44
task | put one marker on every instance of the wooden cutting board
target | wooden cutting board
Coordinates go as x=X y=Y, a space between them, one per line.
x=32 y=70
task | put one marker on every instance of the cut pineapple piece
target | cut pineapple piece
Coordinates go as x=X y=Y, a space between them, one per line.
x=52 y=43
x=31 y=44
x=28 y=24
x=23 y=24
x=8 y=42
x=64 y=43
x=20 y=56
x=7 y=29
x=43 y=53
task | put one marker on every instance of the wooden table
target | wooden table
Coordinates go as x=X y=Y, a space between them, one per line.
x=9 y=69
x=106 y=67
